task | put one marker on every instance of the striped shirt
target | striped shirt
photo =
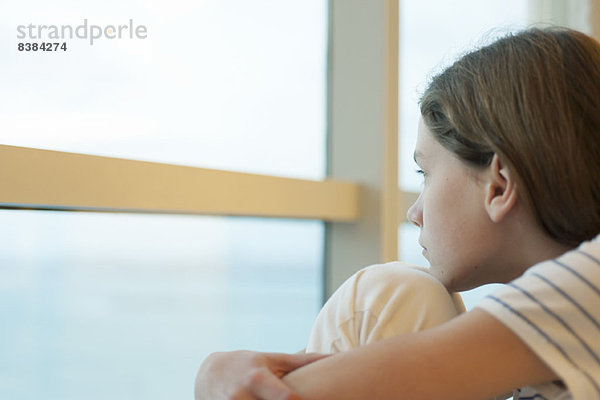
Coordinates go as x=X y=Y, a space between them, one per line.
x=554 y=307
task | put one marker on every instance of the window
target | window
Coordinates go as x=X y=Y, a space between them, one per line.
x=124 y=306
x=113 y=305
x=211 y=78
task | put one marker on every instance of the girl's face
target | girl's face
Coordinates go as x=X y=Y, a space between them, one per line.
x=459 y=239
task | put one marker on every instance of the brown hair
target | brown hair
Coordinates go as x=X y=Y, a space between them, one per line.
x=533 y=98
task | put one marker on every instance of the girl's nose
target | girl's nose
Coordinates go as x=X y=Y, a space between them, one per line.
x=415 y=213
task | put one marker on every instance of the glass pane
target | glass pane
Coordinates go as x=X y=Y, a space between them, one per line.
x=121 y=306
x=226 y=84
x=429 y=42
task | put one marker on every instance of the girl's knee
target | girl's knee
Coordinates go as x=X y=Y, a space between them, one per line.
x=381 y=301
x=404 y=297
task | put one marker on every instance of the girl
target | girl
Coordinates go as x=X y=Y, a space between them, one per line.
x=509 y=147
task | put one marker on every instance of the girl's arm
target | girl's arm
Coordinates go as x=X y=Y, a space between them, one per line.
x=248 y=375
x=473 y=356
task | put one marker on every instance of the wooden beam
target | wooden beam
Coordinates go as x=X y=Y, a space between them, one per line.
x=363 y=132
x=44 y=179
x=594 y=19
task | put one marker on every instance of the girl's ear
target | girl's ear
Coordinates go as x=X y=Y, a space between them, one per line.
x=501 y=190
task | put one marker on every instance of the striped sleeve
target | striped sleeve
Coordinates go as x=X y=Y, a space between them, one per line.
x=555 y=309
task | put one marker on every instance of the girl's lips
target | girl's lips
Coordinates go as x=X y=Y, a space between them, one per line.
x=424 y=252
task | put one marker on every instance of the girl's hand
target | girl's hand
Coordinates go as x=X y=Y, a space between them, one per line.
x=247 y=375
